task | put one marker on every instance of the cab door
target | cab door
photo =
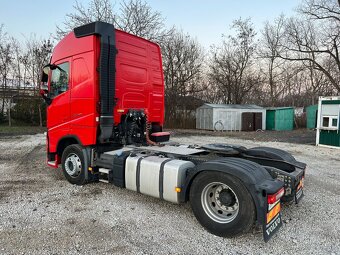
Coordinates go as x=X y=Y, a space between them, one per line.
x=83 y=100
x=59 y=110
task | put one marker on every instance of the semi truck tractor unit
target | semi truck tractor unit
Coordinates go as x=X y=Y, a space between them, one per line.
x=104 y=91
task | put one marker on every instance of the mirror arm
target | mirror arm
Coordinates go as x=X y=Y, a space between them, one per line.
x=47 y=99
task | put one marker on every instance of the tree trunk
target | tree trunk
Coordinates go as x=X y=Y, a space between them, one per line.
x=3 y=95
x=9 y=113
x=40 y=117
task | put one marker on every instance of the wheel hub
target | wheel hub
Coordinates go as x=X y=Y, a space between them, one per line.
x=220 y=202
x=73 y=165
x=227 y=198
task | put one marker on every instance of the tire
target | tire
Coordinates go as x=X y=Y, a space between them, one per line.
x=227 y=216
x=73 y=164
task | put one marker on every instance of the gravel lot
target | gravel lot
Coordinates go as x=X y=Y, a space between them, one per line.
x=41 y=213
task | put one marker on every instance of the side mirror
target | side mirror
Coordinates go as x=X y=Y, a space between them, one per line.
x=44 y=84
x=45 y=72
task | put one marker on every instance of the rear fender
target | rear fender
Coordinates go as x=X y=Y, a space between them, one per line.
x=256 y=179
x=274 y=158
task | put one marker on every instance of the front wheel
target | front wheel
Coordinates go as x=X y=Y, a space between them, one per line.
x=73 y=164
x=222 y=204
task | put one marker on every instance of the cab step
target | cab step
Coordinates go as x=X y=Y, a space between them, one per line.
x=105 y=175
x=53 y=164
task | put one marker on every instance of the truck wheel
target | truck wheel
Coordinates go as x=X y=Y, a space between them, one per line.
x=73 y=164
x=222 y=204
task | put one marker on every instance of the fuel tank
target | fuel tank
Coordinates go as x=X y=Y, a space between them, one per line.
x=156 y=176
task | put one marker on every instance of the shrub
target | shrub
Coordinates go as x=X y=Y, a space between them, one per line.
x=27 y=110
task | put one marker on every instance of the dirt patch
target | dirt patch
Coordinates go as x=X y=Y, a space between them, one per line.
x=298 y=136
x=6 y=131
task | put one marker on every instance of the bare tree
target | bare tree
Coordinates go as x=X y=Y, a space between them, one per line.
x=16 y=63
x=97 y=10
x=316 y=83
x=6 y=59
x=38 y=53
x=232 y=64
x=134 y=16
x=269 y=51
x=182 y=63
x=315 y=38
x=138 y=18
x=322 y=9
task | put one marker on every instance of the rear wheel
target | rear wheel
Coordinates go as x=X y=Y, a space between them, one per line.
x=222 y=204
x=73 y=164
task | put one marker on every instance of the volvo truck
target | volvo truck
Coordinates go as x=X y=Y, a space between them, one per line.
x=104 y=90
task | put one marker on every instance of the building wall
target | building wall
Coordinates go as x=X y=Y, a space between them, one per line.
x=311 y=112
x=280 y=119
x=329 y=137
x=328 y=123
x=284 y=119
x=204 y=118
x=224 y=119
x=270 y=120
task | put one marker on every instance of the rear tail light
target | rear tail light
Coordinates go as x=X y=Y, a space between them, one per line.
x=272 y=198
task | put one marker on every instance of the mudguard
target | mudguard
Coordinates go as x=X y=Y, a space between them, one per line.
x=256 y=179
x=274 y=158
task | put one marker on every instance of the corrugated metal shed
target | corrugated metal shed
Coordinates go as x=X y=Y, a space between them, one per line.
x=328 y=122
x=311 y=113
x=280 y=118
x=230 y=117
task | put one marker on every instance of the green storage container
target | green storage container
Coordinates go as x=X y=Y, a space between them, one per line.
x=311 y=114
x=280 y=118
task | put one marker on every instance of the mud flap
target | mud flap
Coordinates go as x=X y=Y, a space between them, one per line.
x=272 y=220
x=299 y=191
x=89 y=177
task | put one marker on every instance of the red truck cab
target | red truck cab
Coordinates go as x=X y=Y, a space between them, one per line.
x=98 y=77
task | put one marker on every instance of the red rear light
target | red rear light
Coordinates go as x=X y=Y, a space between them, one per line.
x=272 y=198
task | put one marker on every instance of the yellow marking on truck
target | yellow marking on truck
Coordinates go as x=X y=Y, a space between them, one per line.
x=273 y=212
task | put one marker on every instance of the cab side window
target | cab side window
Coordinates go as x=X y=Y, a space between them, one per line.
x=60 y=79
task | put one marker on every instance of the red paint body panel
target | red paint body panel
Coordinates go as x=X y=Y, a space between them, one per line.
x=139 y=85
x=73 y=113
x=139 y=77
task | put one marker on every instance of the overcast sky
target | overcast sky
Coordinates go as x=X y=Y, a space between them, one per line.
x=203 y=19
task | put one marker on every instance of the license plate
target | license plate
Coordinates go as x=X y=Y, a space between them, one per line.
x=273 y=221
x=299 y=191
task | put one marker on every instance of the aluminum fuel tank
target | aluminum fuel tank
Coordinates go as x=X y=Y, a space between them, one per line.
x=156 y=176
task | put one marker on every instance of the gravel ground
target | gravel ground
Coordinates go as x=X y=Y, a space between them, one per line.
x=41 y=213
